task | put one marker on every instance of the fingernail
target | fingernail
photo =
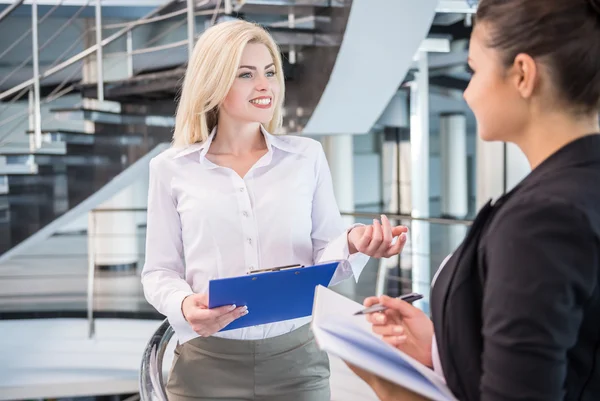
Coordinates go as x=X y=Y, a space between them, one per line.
x=374 y=221
x=398 y=329
x=244 y=308
x=403 y=237
x=245 y=312
x=381 y=318
x=232 y=307
x=401 y=339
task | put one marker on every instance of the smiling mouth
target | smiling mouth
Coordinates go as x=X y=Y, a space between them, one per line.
x=261 y=102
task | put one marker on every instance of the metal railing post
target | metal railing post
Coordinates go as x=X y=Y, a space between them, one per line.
x=191 y=25
x=31 y=115
x=292 y=25
x=91 y=272
x=129 y=54
x=228 y=7
x=99 y=57
x=37 y=113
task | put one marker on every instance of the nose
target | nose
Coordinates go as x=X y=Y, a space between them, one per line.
x=262 y=84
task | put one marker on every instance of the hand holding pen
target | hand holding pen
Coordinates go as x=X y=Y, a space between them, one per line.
x=402 y=325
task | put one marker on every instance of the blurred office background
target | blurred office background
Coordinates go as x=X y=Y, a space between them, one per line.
x=88 y=94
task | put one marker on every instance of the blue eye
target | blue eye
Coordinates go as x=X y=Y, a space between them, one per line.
x=271 y=73
x=246 y=75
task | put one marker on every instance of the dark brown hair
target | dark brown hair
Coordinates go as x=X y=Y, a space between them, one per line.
x=564 y=35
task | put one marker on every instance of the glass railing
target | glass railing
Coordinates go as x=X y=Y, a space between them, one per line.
x=393 y=276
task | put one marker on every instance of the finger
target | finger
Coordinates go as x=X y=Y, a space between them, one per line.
x=403 y=308
x=363 y=242
x=397 y=247
x=377 y=318
x=397 y=230
x=387 y=231
x=222 y=310
x=370 y=301
x=393 y=316
x=376 y=239
x=227 y=318
x=395 y=340
x=389 y=330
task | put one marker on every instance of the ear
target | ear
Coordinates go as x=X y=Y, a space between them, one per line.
x=526 y=75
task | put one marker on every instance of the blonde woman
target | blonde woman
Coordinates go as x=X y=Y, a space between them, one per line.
x=229 y=198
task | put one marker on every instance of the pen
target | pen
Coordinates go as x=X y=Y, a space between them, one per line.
x=410 y=298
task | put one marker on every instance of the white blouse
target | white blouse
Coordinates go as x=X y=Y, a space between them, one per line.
x=206 y=222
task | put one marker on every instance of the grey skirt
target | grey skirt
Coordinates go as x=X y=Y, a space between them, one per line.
x=289 y=367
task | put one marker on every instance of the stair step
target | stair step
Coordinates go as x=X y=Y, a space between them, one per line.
x=84 y=138
x=18 y=169
x=283 y=7
x=55 y=148
x=3 y=189
x=104 y=105
x=39 y=152
x=90 y=132
x=108 y=117
x=57 y=160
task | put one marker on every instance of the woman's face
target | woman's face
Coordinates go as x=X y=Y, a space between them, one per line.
x=493 y=95
x=255 y=90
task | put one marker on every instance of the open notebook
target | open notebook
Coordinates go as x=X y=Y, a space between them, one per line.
x=349 y=337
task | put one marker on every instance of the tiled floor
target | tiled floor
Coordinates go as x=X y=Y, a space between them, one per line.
x=53 y=358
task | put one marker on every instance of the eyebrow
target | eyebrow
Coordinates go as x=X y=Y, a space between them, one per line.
x=250 y=67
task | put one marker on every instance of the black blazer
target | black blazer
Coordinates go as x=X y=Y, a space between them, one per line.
x=516 y=309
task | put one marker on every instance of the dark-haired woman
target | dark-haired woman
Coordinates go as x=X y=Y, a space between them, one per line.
x=516 y=308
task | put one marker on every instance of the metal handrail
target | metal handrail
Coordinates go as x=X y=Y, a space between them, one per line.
x=10 y=9
x=371 y=215
x=432 y=220
x=151 y=382
x=90 y=50
x=46 y=43
x=59 y=91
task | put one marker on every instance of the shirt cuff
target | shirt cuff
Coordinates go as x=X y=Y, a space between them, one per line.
x=338 y=250
x=175 y=314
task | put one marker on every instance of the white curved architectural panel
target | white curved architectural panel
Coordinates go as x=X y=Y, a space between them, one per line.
x=379 y=44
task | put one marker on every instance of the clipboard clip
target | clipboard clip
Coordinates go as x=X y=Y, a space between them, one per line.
x=275 y=269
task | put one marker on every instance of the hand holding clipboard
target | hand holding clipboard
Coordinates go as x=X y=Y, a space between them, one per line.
x=205 y=321
x=274 y=295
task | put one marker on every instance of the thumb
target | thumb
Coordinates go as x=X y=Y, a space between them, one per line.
x=396 y=231
x=404 y=308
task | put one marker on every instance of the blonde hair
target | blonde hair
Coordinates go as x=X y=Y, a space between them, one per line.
x=210 y=73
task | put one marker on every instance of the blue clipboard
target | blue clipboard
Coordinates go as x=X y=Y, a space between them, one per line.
x=271 y=296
